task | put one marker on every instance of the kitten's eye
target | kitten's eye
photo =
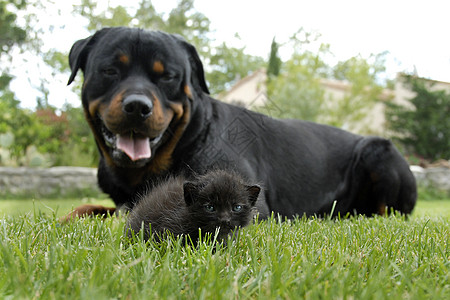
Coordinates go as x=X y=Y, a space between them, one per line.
x=237 y=208
x=209 y=208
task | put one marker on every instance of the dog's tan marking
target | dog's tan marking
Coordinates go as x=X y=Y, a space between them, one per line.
x=382 y=209
x=158 y=67
x=163 y=159
x=112 y=114
x=160 y=118
x=88 y=210
x=94 y=106
x=187 y=91
x=90 y=113
x=94 y=109
x=125 y=59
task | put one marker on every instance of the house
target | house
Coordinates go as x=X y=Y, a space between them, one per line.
x=251 y=92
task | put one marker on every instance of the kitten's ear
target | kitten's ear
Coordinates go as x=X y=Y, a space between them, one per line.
x=190 y=192
x=253 y=191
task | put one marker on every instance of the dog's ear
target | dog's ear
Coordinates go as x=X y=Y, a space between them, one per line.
x=77 y=57
x=197 y=75
x=79 y=53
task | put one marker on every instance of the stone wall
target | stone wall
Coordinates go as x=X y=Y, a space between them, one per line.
x=438 y=177
x=45 y=182
x=76 y=181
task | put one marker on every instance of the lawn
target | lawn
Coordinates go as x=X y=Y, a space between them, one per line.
x=58 y=207
x=362 y=258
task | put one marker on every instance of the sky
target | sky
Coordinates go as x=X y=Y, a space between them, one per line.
x=415 y=33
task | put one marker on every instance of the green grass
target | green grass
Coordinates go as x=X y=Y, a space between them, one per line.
x=58 y=207
x=356 y=258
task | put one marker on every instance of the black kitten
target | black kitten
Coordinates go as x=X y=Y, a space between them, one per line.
x=219 y=200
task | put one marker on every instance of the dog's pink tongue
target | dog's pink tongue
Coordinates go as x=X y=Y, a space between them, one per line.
x=135 y=148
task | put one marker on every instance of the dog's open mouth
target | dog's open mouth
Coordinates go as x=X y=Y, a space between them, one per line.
x=135 y=145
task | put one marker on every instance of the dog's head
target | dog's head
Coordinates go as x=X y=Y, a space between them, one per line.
x=137 y=92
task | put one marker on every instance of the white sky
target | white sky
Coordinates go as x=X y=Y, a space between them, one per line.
x=416 y=34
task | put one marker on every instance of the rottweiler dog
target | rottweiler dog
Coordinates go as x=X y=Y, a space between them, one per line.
x=147 y=102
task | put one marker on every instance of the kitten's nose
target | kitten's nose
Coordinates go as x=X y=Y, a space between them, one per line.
x=225 y=221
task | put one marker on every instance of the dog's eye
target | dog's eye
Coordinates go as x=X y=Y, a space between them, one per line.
x=167 y=77
x=110 y=72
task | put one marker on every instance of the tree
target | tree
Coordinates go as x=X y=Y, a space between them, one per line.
x=296 y=92
x=224 y=64
x=191 y=24
x=423 y=128
x=364 y=91
x=14 y=121
x=113 y=16
x=229 y=64
x=299 y=91
x=274 y=65
x=183 y=19
x=10 y=35
x=45 y=130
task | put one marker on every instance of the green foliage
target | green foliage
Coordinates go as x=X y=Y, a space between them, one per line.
x=229 y=64
x=57 y=60
x=424 y=128
x=225 y=64
x=362 y=75
x=113 y=16
x=297 y=92
x=364 y=258
x=183 y=19
x=189 y=23
x=17 y=123
x=10 y=33
x=64 y=137
x=81 y=150
x=274 y=65
x=14 y=122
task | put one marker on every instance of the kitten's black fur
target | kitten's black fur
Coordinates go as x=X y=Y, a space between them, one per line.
x=217 y=200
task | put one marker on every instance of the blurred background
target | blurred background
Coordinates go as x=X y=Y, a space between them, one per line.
x=375 y=68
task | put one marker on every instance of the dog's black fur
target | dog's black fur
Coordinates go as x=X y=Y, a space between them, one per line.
x=303 y=167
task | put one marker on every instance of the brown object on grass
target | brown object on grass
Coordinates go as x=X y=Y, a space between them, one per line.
x=88 y=210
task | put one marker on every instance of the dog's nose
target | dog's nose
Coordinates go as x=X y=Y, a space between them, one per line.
x=137 y=106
